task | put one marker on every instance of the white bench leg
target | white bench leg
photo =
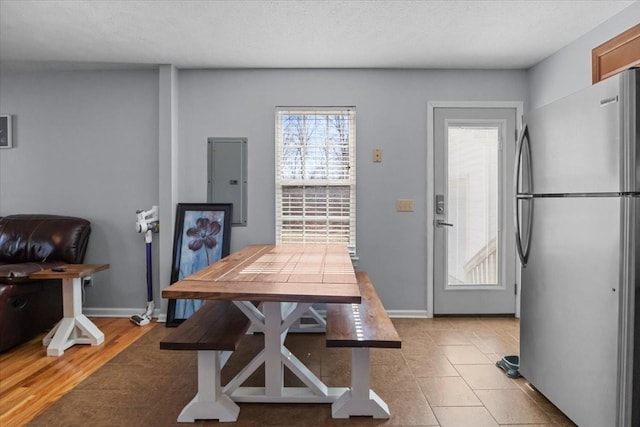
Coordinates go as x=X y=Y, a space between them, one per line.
x=360 y=400
x=210 y=403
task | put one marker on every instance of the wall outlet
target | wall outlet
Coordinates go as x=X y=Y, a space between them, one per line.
x=404 y=205
x=377 y=155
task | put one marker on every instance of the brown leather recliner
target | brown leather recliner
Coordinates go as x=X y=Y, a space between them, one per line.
x=30 y=243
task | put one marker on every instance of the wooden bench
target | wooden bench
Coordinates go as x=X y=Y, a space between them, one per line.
x=214 y=332
x=361 y=327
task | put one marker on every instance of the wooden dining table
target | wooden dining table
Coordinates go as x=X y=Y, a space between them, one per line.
x=286 y=280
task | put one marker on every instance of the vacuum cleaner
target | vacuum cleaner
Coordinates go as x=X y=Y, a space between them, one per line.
x=147 y=223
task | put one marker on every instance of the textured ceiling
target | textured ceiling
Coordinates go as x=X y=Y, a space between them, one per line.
x=294 y=34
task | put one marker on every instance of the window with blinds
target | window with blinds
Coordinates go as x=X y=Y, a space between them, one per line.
x=316 y=176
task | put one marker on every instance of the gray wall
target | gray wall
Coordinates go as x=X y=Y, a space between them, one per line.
x=391 y=115
x=86 y=144
x=569 y=69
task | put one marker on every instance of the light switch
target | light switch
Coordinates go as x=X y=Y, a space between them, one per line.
x=404 y=205
x=377 y=155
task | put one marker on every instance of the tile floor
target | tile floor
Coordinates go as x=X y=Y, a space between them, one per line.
x=444 y=375
x=449 y=366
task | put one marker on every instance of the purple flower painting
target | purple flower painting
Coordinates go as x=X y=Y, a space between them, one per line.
x=201 y=246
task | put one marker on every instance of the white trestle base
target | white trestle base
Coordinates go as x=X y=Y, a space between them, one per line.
x=288 y=395
x=274 y=321
x=360 y=400
x=210 y=403
x=75 y=327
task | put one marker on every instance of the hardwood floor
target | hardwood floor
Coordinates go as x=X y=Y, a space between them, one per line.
x=31 y=381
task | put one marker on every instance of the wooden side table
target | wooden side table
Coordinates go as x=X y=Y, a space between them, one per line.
x=75 y=327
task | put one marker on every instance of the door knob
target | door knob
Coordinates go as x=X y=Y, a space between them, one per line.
x=441 y=223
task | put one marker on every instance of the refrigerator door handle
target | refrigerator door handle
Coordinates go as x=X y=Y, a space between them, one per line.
x=523 y=144
x=523 y=250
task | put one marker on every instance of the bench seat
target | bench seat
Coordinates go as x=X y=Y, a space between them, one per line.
x=214 y=331
x=217 y=325
x=374 y=328
x=361 y=327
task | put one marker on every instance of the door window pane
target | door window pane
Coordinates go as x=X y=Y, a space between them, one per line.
x=472 y=243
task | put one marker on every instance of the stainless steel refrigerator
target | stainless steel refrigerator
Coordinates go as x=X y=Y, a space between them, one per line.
x=578 y=236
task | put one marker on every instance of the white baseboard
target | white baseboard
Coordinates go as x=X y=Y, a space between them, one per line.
x=119 y=312
x=408 y=314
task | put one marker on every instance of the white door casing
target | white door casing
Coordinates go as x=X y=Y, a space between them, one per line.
x=463 y=115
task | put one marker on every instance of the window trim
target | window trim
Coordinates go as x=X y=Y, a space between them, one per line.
x=350 y=182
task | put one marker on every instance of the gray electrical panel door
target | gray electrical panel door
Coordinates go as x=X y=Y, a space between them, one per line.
x=227 y=175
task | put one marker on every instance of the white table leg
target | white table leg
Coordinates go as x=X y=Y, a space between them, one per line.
x=273 y=372
x=75 y=327
x=92 y=335
x=61 y=338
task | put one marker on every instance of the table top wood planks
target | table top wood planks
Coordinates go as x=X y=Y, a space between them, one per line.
x=292 y=273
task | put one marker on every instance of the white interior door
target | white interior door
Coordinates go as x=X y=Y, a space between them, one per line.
x=473 y=246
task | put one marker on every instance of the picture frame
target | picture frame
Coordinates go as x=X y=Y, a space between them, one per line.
x=202 y=236
x=6 y=137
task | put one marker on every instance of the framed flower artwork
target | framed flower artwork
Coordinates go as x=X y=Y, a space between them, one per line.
x=202 y=236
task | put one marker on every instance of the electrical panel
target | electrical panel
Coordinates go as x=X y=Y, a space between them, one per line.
x=227 y=175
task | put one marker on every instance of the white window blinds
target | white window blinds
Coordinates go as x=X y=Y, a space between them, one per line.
x=316 y=176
